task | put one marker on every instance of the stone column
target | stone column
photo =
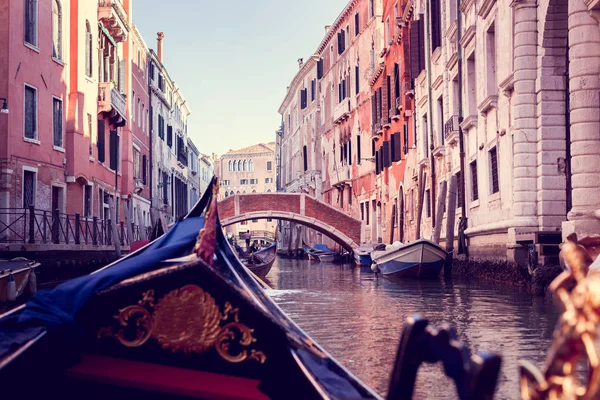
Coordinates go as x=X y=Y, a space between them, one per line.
x=525 y=122
x=584 y=84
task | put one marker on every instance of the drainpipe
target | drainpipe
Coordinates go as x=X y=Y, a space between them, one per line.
x=151 y=134
x=569 y=197
x=430 y=119
x=461 y=142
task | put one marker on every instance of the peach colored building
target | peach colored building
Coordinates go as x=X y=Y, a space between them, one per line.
x=248 y=170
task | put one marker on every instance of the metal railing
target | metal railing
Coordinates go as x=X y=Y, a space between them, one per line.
x=32 y=226
x=257 y=235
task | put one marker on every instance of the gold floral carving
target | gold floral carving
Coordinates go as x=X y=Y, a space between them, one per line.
x=576 y=335
x=185 y=320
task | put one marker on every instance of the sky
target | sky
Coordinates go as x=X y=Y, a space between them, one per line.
x=234 y=60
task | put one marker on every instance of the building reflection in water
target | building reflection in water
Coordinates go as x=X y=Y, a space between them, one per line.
x=357 y=317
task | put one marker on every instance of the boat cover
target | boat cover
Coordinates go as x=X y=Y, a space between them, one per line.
x=322 y=247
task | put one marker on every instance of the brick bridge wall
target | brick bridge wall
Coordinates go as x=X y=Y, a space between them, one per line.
x=299 y=208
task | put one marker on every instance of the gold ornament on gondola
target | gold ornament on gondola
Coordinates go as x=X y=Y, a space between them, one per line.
x=576 y=334
x=186 y=320
x=207 y=238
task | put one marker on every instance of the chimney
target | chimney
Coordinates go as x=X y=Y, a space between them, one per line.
x=160 y=37
x=300 y=62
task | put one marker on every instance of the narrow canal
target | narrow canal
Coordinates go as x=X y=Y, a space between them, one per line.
x=358 y=318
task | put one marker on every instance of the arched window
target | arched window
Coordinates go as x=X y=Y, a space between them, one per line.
x=251 y=165
x=88 y=49
x=226 y=194
x=245 y=166
x=240 y=165
x=56 y=30
x=268 y=190
x=234 y=165
x=230 y=166
x=238 y=192
x=254 y=191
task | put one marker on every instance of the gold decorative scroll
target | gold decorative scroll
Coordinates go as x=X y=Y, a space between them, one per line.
x=576 y=335
x=185 y=320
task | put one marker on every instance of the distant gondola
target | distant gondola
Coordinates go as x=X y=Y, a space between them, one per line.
x=183 y=318
x=260 y=262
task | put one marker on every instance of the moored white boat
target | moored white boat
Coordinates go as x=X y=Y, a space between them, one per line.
x=17 y=276
x=418 y=259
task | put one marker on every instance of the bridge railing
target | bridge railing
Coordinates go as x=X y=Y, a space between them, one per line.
x=33 y=226
x=258 y=234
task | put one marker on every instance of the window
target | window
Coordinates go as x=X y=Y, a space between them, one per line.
x=388 y=37
x=305 y=158
x=87 y=201
x=474 y=187
x=56 y=30
x=395 y=147
x=405 y=138
x=357 y=78
x=356 y=25
x=169 y=135
x=251 y=165
x=245 y=166
x=138 y=110
x=313 y=88
x=371 y=8
x=440 y=110
x=136 y=164
x=459 y=195
x=30 y=128
x=436 y=24
x=230 y=166
x=100 y=142
x=114 y=151
x=254 y=220
x=144 y=170
x=57 y=122
x=161 y=127
x=268 y=180
x=31 y=21
x=428 y=203
x=490 y=62
x=254 y=181
x=89 y=128
x=269 y=165
x=29 y=188
x=269 y=219
x=243 y=181
x=494 y=185
x=362 y=211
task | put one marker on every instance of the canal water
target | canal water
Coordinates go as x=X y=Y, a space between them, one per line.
x=357 y=317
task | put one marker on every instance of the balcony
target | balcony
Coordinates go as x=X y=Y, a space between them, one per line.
x=408 y=89
x=342 y=175
x=451 y=128
x=377 y=131
x=395 y=112
x=112 y=102
x=341 y=112
x=113 y=17
x=385 y=122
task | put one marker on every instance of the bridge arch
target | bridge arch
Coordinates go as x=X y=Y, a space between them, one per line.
x=295 y=207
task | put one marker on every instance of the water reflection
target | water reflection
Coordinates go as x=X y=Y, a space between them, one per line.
x=358 y=318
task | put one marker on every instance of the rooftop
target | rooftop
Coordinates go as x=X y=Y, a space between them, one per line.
x=254 y=149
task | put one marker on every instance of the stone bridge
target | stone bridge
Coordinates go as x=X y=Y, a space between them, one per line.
x=295 y=207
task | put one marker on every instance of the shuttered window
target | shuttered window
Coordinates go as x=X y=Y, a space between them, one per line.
x=114 y=151
x=169 y=135
x=313 y=89
x=320 y=68
x=405 y=138
x=57 y=122
x=29 y=183
x=165 y=180
x=495 y=186
x=87 y=201
x=377 y=170
x=30 y=112
x=100 y=143
x=436 y=24
x=356 y=24
x=417 y=47
x=428 y=203
x=88 y=49
x=396 y=152
x=386 y=154
x=144 y=170
x=358 y=149
x=474 y=184
x=350 y=151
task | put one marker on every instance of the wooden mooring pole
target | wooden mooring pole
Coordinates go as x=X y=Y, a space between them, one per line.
x=450 y=217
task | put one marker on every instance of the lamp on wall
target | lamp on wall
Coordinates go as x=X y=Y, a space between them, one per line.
x=4 y=105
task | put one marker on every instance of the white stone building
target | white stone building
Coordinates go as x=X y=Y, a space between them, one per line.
x=528 y=75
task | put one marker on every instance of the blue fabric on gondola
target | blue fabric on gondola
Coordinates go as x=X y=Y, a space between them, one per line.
x=58 y=308
x=322 y=247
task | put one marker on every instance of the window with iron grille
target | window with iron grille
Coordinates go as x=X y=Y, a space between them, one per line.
x=30 y=112
x=29 y=186
x=57 y=122
x=495 y=186
x=31 y=21
x=474 y=184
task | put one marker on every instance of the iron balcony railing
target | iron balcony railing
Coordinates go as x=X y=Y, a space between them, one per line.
x=451 y=126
